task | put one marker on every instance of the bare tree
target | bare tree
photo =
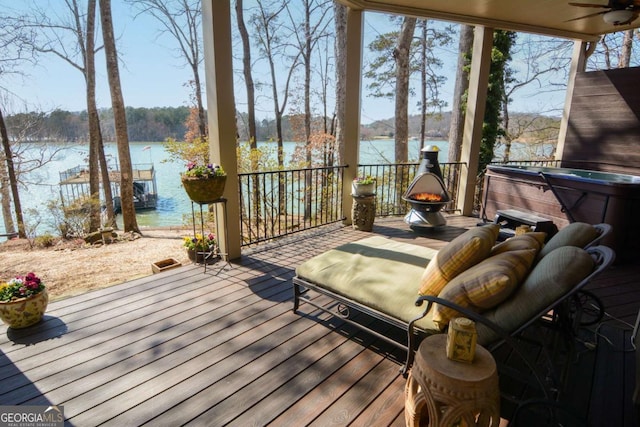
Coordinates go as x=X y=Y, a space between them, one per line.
x=71 y=37
x=182 y=19
x=268 y=32
x=627 y=48
x=427 y=62
x=26 y=160
x=117 y=104
x=308 y=27
x=11 y=173
x=307 y=30
x=541 y=64
x=96 y=145
x=615 y=50
x=456 y=128
x=248 y=79
x=96 y=142
x=401 y=54
x=340 y=18
x=251 y=99
x=15 y=43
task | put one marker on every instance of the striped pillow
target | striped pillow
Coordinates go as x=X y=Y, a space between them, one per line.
x=533 y=240
x=485 y=285
x=461 y=253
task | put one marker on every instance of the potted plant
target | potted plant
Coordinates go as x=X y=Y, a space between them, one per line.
x=200 y=247
x=23 y=301
x=204 y=183
x=363 y=186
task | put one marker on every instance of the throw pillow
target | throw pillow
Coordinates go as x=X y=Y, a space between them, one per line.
x=463 y=252
x=577 y=234
x=534 y=240
x=484 y=285
x=551 y=278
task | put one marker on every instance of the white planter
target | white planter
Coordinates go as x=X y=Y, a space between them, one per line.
x=361 y=189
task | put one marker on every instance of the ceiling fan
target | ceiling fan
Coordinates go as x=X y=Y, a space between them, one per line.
x=620 y=12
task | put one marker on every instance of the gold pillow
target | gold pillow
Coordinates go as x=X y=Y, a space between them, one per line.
x=485 y=285
x=463 y=252
x=533 y=240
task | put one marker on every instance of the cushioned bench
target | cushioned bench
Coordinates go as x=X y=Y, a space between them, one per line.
x=384 y=278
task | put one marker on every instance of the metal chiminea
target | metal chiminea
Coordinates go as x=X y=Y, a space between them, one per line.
x=427 y=194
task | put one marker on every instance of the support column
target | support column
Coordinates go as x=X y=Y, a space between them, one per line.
x=581 y=51
x=352 y=108
x=221 y=114
x=474 y=118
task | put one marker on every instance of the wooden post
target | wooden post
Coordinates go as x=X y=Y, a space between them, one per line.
x=474 y=117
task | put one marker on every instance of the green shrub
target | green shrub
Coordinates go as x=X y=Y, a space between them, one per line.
x=45 y=241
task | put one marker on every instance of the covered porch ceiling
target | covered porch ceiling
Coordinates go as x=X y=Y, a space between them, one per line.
x=548 y=17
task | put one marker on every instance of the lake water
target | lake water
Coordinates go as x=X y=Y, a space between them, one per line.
x=173 y=203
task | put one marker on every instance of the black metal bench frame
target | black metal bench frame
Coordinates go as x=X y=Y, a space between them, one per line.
x=602 y=255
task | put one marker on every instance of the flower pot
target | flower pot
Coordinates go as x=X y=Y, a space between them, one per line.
x=204 y=189
x=202 y=257
x=25 y=311
x=164 y=265
x=361 y=189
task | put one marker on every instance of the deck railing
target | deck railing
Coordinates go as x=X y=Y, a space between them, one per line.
x=279 y=203
x=394 y=179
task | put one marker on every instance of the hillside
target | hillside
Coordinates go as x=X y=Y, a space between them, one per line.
x=522 y=127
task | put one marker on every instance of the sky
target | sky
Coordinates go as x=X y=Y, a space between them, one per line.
x=153 y=74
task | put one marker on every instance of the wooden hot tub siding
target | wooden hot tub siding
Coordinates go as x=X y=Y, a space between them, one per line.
x=587 y=202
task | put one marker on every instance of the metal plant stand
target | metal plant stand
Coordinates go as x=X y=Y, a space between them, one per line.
x=213 y=251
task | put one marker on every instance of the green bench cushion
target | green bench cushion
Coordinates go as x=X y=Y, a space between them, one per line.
x=376 y=272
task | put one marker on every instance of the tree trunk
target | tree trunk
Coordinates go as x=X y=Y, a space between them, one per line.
x=94 y=121
x=95 y=133
x=341 y=78
x=5 y=197
x=110 y=220
x=13 y=181
x=307 y=107
x=401 y=56
x=423 y=82
x=461 y=85
x=120 y=118
x=627 y=48
x=251 y=108
x=202 y=117
x=248 y=79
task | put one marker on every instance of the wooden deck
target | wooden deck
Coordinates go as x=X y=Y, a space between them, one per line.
x=185 y=347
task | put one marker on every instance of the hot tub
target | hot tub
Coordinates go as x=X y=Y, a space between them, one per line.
x=568 y=195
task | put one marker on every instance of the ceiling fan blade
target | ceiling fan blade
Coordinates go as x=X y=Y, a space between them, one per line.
x=586 y=16
x=600 y=6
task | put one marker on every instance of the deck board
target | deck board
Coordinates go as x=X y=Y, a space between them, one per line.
x=225 y=348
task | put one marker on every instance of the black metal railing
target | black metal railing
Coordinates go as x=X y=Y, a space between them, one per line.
x=278 y=203
x=393 y=180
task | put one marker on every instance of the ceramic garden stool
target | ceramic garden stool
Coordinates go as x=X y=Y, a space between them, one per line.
x=443 y=392
x=363 y=212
